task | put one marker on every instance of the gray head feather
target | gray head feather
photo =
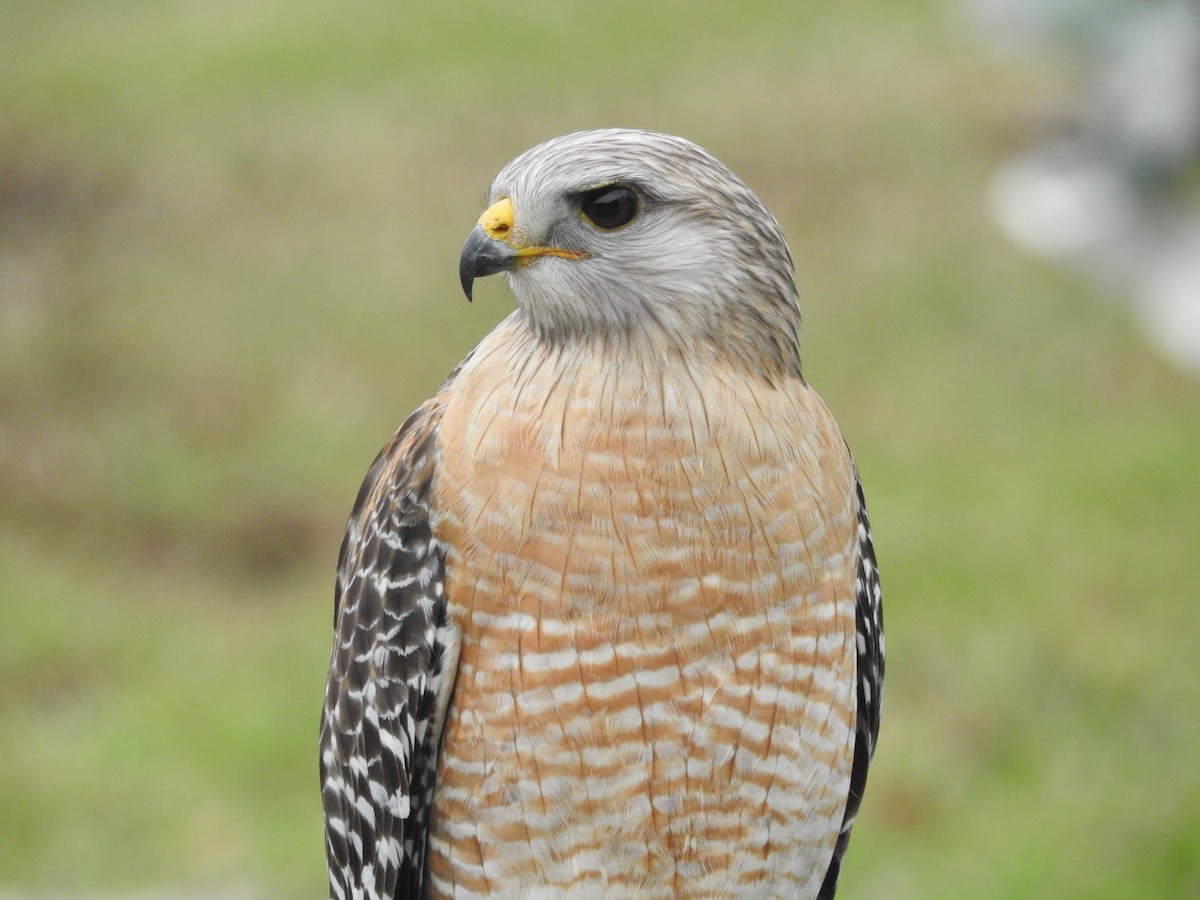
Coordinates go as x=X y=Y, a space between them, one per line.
x=703 y=267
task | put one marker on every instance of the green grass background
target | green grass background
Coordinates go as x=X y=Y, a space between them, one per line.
x=228 y=244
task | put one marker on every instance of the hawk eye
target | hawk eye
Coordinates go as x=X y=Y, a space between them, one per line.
x=610 y=206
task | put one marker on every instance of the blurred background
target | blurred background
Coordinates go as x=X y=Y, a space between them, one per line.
x=228 y=244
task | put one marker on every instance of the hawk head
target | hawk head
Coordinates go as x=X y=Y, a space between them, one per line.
x=642 y=236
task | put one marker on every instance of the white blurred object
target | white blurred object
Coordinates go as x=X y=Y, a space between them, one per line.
x=1169 y=301
x=1055 y=202
x=1109 y=196
x=1147 y=97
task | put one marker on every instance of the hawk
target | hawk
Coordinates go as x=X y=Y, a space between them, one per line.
x=607 y=617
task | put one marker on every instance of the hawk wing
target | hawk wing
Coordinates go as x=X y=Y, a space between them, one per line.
x=868 y=621
x=392 y=670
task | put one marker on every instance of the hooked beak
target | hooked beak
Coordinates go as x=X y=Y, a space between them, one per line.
x=481 y=256
x=496 y=245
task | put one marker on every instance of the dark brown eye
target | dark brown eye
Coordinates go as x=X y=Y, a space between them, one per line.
x=610 y=207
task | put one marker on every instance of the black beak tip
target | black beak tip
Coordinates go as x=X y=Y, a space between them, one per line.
x=466 y=270
x=482 y=256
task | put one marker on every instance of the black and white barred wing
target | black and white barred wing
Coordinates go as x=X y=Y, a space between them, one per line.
x=390 y=676
x=868 y=616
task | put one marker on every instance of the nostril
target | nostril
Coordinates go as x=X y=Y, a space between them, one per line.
x=498 y=220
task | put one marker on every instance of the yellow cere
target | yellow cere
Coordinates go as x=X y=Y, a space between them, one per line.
x=497 y=220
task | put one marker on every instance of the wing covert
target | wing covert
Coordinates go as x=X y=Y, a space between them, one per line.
x=390 y=675
x=869 y=647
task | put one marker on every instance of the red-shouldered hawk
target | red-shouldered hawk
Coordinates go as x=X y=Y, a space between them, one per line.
x=607 y=614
